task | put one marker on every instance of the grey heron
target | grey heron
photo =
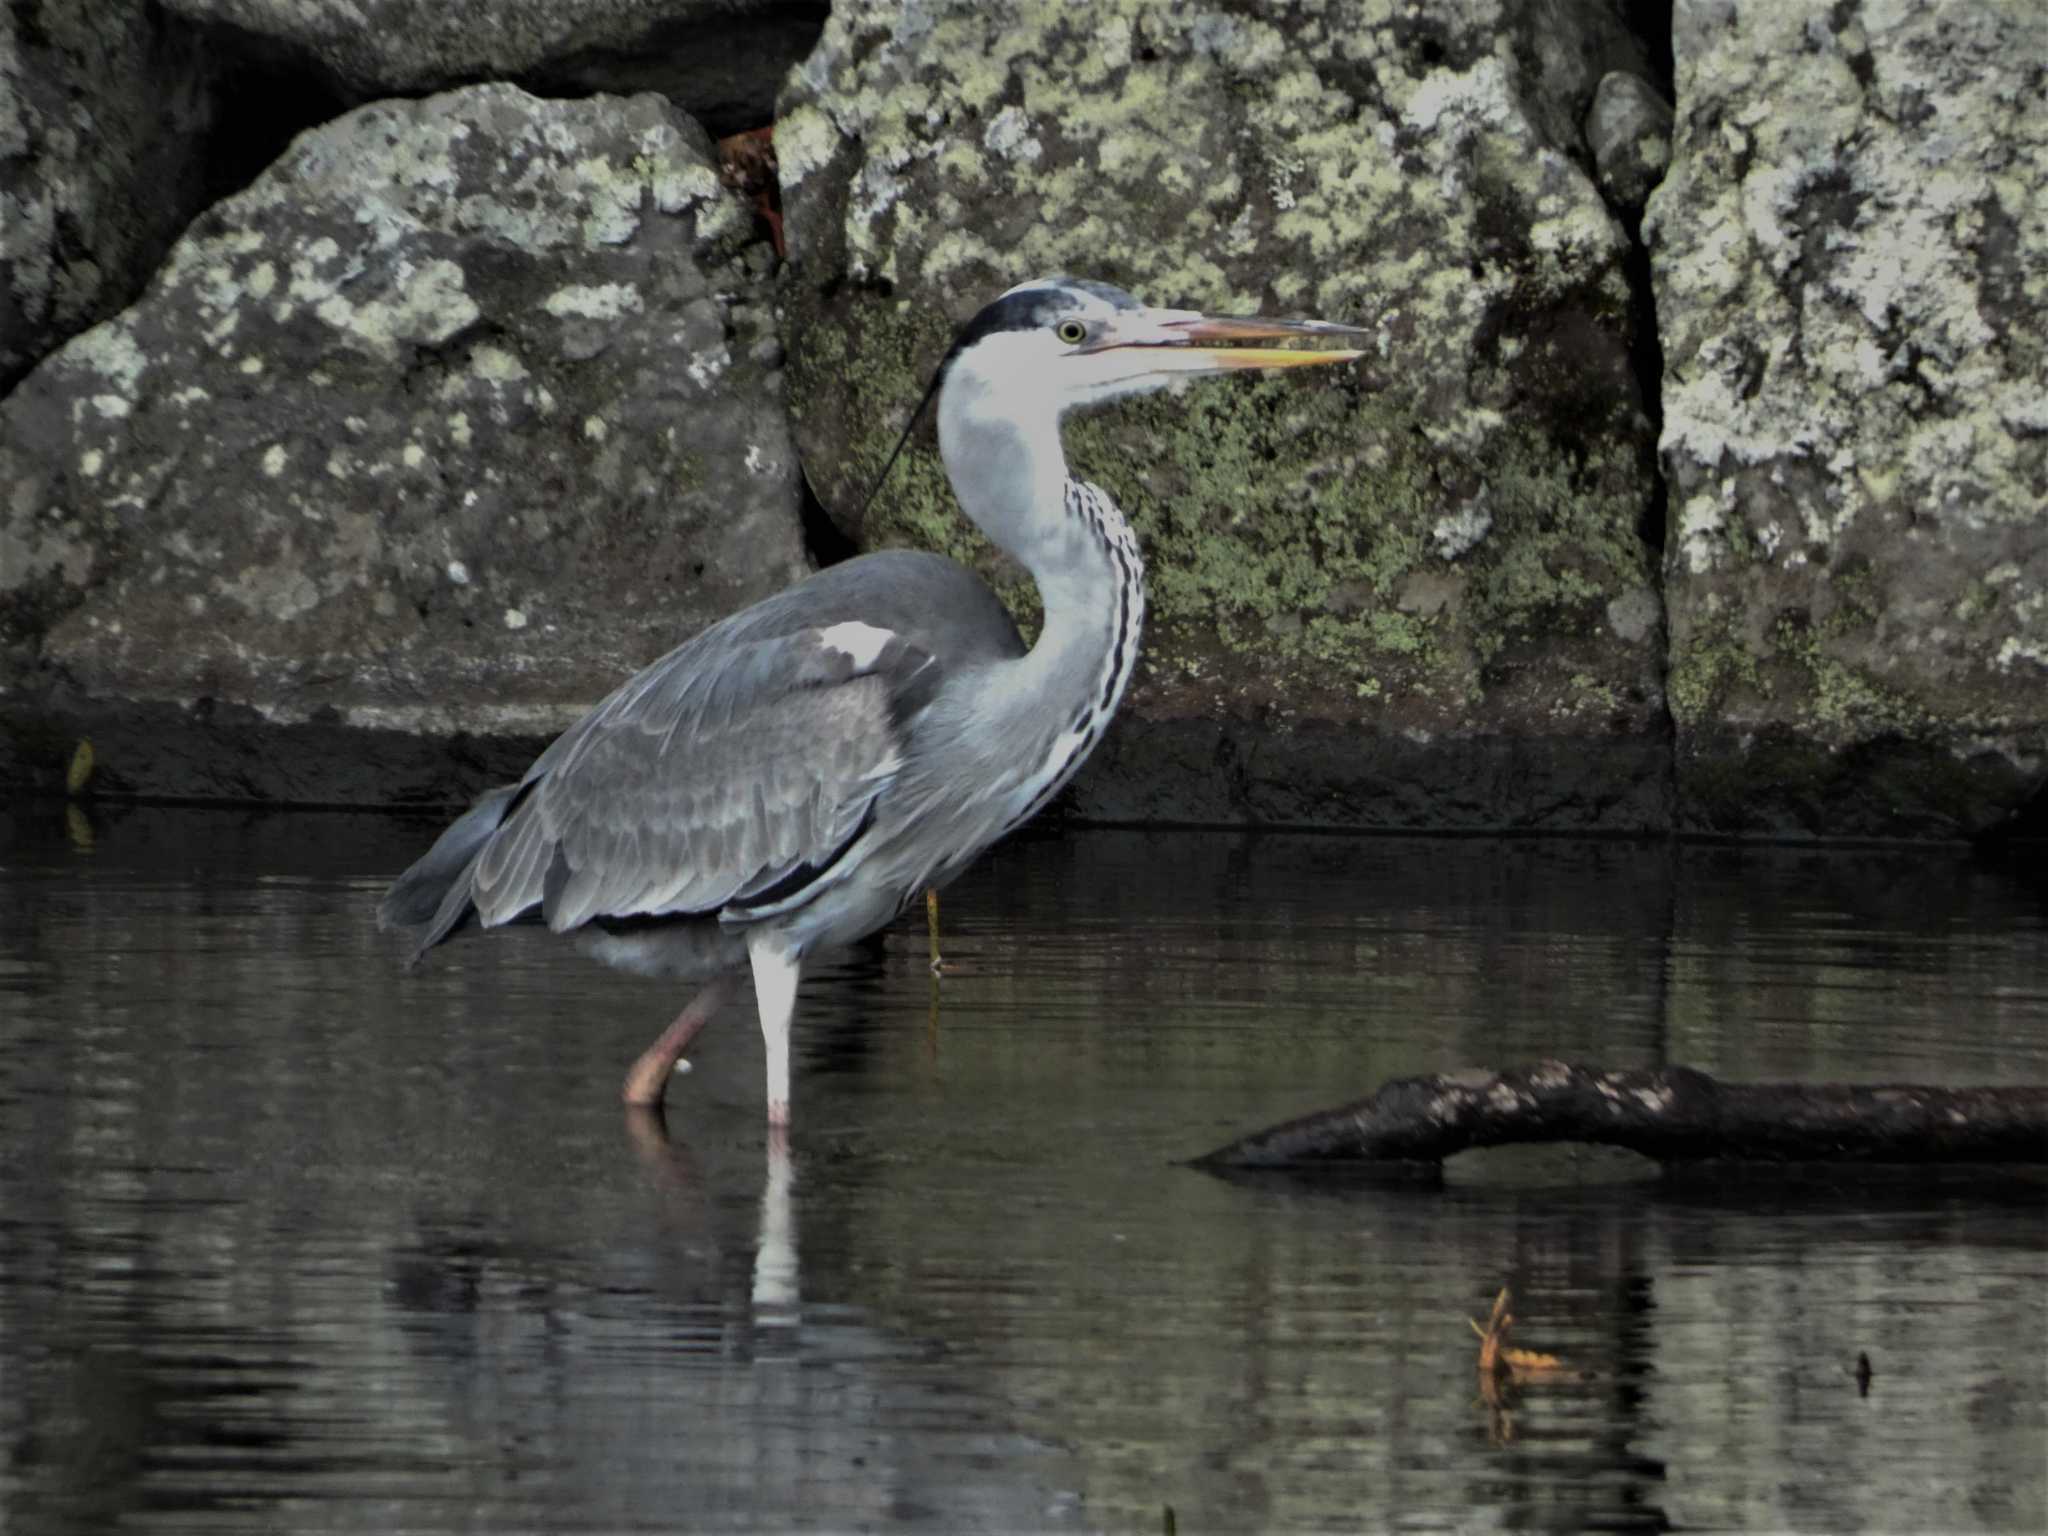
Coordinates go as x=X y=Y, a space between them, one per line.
x=795 y=774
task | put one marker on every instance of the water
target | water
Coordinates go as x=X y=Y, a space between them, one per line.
x=292 y=1240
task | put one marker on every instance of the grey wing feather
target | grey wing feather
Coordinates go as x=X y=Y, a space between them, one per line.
x=715 y=774
x=416 y=896
x=635 y=807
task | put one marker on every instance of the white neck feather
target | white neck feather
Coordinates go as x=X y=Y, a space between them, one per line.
x=1047 y=713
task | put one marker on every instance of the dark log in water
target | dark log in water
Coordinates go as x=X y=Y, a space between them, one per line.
x=1674 y=1115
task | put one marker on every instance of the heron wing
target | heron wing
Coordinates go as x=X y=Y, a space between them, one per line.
x=717 y=776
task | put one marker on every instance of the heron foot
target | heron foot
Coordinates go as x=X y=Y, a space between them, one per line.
x=648 y=1078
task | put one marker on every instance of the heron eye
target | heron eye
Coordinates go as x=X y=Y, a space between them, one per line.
x=1072 y=332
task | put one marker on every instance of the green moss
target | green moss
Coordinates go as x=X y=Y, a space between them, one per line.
x=1248 y=499
x=1840 y=695
x=1799 y=663
x=1592 y=691
x=1397 y=633
x=1705 y=668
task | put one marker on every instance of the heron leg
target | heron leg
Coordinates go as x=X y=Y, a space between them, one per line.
x=648 y=1079
x=776 y=969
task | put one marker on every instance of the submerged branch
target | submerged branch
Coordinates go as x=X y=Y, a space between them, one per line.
x=1673 y=1114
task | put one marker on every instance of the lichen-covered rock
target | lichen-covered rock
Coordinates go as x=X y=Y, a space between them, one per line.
x=103 y=117
x=1416 y=595
x=466 y=408
x=720 y=60
x=1628 y=128
x=1851 y=259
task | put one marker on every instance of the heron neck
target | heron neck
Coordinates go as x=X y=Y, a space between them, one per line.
x=1009 y=470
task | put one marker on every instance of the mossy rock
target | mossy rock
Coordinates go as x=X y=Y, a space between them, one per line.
x=1443 y=545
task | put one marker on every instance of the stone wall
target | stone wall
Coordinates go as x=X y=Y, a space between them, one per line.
x=1697 y=480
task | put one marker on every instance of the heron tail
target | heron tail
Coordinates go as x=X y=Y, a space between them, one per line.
x=435 y=891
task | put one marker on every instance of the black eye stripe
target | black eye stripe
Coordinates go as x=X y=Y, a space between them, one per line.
x=1029 y=308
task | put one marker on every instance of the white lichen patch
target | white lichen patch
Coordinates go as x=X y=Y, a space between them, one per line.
x=274 y=460
x=805 y=140
x=1458 y=532
x=594 y=301
x=2013 y=651
x=704 y=368
x=1453 y=106
x=111 y=351
x=495 y=365
x=426 y=304
x=1009 y=135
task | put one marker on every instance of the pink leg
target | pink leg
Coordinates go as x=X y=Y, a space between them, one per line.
x=648 y=1079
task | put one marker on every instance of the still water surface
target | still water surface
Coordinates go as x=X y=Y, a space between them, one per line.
x=293 y=1240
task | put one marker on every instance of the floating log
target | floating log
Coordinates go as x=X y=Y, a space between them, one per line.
x=1672 y=1114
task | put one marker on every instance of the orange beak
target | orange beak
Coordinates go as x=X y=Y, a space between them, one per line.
x=1182 y=341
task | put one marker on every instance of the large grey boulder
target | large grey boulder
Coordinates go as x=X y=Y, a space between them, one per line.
x=1417 y=595
x=720 y=60
x=464 y=410
x=104 y=114
x=1851 y=258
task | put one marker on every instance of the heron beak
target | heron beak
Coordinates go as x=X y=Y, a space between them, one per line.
x=1181 y=341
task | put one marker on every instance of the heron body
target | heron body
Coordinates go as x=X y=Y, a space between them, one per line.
x=791 y=777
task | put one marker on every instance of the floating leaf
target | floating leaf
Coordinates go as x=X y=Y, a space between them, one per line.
x=746 y=164
x=80 y=770
x=1498 y=1364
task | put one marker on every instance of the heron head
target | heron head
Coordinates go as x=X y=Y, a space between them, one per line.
x=1064 y=342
